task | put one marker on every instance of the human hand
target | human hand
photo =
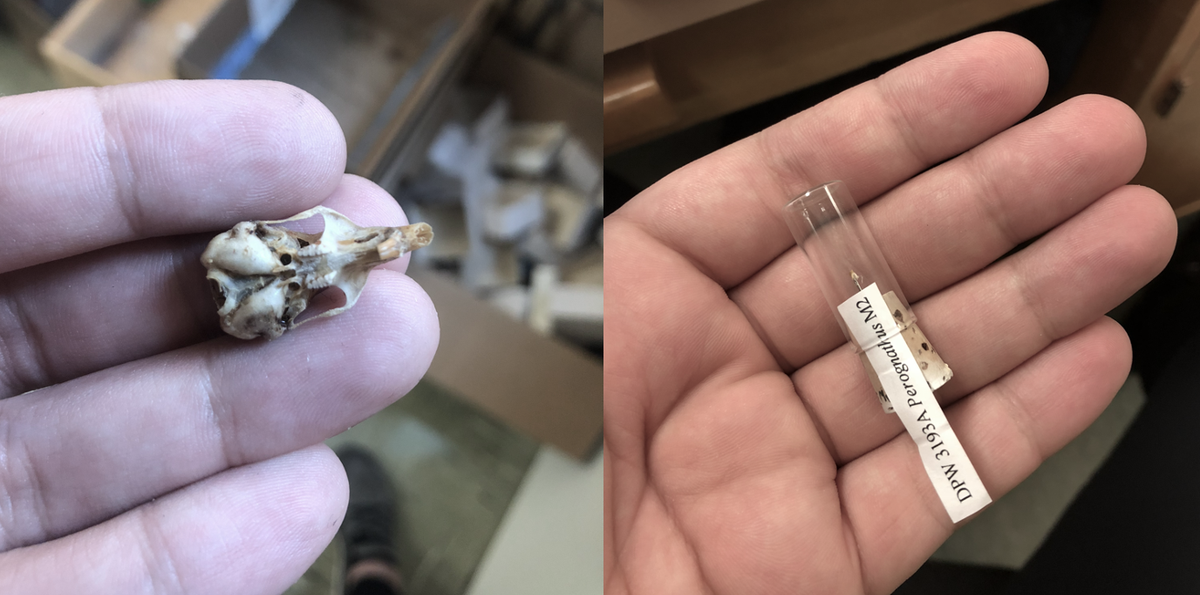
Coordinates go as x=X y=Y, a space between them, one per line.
x=745 y=451
x=157 y=454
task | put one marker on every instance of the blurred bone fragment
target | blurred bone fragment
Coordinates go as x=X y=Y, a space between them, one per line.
x=263 y=275
x=935 y=370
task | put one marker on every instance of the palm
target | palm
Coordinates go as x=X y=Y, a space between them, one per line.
x=744 y=450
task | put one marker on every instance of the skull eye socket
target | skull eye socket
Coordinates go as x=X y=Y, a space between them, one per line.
x=218 y=292
x=286 y=259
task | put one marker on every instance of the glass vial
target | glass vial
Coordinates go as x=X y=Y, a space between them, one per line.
x=842 y=250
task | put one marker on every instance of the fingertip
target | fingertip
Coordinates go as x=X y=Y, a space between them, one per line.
x=330 y=487
x=365 y=202
x=1021 y=53
x=1004 y=74
x=416 y=328
x=395 y=333
x=1142 y=229
x=1088 y=368
x=1115 y=126
x=1120 y=347
x=310 y=490
x=1163 y=226
x=280 y=513
x=315 y=157
x=257 y=149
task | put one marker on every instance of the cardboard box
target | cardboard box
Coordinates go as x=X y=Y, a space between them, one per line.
x=539 y=91
x=541 y=385
x=106 y=42
x=377 y=65
x=546 y=388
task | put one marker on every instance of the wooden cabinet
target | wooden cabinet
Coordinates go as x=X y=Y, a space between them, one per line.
x=665 y=74
x=659 y=79
x=1145 y=54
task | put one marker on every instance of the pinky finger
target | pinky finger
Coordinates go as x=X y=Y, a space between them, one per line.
x=253 y=529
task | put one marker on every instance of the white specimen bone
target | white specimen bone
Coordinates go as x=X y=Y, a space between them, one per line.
x=263 y=275
x=935 y=370
x=531 y=149
x=517 y=207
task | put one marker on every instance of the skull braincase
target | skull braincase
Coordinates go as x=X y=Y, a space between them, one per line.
x=264 y=275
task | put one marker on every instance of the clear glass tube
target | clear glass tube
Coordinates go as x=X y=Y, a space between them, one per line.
x=842 y=250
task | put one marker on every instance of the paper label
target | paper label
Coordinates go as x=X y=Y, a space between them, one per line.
x=953 y=476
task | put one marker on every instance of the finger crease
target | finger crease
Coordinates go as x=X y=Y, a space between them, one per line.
x=1021 y=418
x=851 y=536
x=119 y=166
x=36 y=495
x=1028 y=297
x=183 y=274
x=696 y=264
x=9 y=383
x=903 y=124
x=218 y=416
x=9 y=532
x=161 y=570
x=989 y=199
x=794 y=171
x=763 y=335
x=819 y=425
x=685 y=538
x=35 y=373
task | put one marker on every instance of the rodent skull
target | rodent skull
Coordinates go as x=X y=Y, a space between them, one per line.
x=263 y=275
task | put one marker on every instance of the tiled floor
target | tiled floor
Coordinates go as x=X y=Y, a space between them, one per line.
x=551 y=540
x=456 y=471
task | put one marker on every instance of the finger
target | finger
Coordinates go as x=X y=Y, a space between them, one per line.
x=79 y=452
x=254 y=529
x=85 y=168
x=78 y=315
x=1007 y=428
x=723 y=212
x=954 y=220
x=991 y=323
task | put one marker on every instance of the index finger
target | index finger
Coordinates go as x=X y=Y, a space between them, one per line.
x=724 y=212
x=85 y=168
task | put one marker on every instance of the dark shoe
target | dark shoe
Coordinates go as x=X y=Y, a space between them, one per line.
x=370 y=525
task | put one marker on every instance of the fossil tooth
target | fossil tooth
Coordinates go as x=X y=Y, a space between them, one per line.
x=264 y=275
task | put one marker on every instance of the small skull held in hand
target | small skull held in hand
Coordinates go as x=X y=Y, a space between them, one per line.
x=263 y=275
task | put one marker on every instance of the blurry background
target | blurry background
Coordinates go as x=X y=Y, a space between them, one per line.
x=682 y=79
x=481 y=117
